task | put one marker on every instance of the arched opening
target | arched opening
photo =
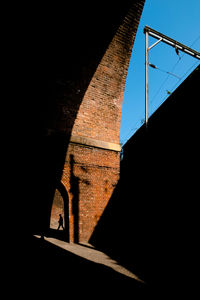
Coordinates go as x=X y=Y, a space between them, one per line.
x=60 y=206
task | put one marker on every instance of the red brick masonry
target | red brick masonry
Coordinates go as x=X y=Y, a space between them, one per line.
x=91 y=170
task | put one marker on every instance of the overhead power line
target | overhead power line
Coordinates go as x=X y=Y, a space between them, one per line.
x=173 y=68
x=165 y=39
x=134 y=126
x=174 y=87
x=167 y=72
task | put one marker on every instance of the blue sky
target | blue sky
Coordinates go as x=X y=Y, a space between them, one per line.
x=178 y=19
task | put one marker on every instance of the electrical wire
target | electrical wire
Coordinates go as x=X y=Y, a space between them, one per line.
x=167 y=72
x=184 y=75
x=134 y=126
x=165 y=80
x=173 y=68
x=173 y=88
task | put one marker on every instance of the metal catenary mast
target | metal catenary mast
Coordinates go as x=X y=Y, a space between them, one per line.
x=171 y=42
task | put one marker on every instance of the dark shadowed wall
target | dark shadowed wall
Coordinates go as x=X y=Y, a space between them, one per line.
x=151 y=221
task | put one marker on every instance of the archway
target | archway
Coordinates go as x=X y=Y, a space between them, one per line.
x=60 y=205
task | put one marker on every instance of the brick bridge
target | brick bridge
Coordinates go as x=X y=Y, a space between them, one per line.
x=83 y=54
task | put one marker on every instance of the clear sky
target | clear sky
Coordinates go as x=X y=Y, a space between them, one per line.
x=178 y=19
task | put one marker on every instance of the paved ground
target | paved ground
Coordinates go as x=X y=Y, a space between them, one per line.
x=59 y=268
x=88 y=252
x=51 y=268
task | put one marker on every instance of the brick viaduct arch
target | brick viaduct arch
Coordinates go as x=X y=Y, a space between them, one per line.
x=84 y=57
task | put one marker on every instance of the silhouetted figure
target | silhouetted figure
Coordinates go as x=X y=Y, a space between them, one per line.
x=60 y=222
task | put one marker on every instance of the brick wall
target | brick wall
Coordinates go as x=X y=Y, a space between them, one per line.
x=90 y=116
x=99 y=114
x=89 y=175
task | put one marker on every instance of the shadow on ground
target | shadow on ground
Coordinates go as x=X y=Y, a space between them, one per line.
x=44 y=268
